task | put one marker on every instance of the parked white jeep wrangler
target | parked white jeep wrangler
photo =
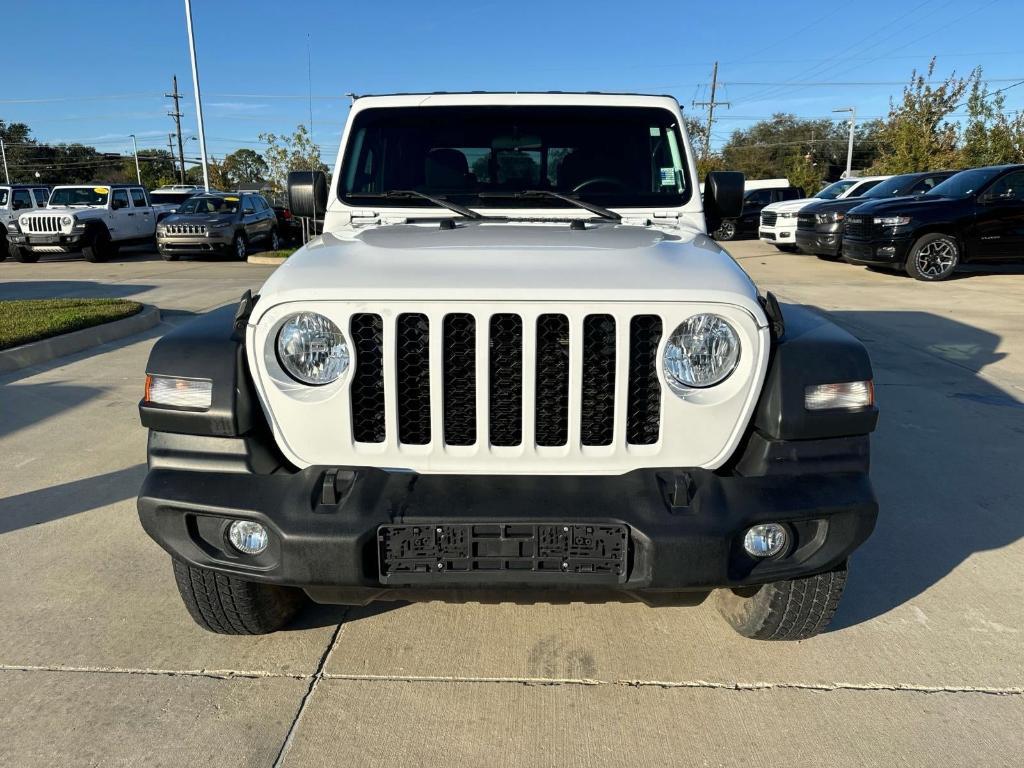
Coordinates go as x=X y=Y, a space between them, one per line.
x=514 y=367
x=14 y=199
x=95 y=219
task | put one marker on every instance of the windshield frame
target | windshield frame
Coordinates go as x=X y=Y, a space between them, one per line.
x=987 y=176
x=55 y=201
x=667 y=119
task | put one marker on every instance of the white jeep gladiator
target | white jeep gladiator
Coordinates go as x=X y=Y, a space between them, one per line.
x=514 y=367
x=93 y=219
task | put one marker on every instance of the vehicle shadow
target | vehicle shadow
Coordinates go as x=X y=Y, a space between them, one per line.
x=945 y=459
x=66 y=289
x=59 y=501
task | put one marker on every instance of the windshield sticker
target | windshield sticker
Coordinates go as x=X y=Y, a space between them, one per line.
x=668 y=177
x=100 y=190
x=231 y=199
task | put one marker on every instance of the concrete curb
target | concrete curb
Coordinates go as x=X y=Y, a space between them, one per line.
x=44 y=350
x=257 y=259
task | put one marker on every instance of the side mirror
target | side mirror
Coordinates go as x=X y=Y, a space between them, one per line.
x=723 y=197
x=307 y=193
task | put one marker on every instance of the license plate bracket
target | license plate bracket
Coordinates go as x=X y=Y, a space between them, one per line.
x=584 y=553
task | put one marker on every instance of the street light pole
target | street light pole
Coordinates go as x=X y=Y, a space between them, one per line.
x=849 y=148
x=135 y=148
x=199 y=101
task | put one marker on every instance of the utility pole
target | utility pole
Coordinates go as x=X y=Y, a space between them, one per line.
x=199 y=100
x=3 y=153
x=711 y=109
x=176 y=114
x=135 y=149
x=849 y=148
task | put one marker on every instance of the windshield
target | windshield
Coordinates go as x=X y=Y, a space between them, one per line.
x=80 y=196
x=209 y=205
x=604 y=155
x=894 y=187
x=965 y=183
x=834 y=190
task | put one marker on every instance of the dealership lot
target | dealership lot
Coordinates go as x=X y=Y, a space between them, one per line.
x=922 y=665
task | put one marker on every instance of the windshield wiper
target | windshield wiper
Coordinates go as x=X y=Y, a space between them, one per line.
x=526 y=194
x=400 y=194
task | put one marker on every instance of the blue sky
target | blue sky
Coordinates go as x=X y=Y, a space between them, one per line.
x=104 y=67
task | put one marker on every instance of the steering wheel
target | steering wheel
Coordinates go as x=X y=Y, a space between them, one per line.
x=613 y=182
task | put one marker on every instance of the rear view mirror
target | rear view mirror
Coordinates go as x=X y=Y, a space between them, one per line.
x=723 y=197
x=307 y=193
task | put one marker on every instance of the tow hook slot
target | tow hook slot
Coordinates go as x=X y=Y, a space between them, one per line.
x=334 y=487
x=678 y=490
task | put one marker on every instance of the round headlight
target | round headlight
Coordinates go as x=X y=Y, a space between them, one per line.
x=701 y=352
x=67 y=221
x=312 y=349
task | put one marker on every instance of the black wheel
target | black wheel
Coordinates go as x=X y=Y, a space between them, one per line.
x=228 y=605
x=5 y=247
x=933 y=257
x=726 y=231
x=786 y=248
x=240 y=247
x=274 y=240
x=784 y=610
x=99 y=248
x=24 y=255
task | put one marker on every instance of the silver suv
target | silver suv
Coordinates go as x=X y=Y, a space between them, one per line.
x=222 y=222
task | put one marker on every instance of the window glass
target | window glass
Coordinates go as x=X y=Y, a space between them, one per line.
x=759 y=197
x=80 y=196
x=42 y=195
x=485 y=154
x=138 y=198
x=121 y=197
x=207 y=204
x=247 y=206
x=1010 y=188
x=20 y=200
x=965 y=183
x=834 y=190
x=4 y=195
x=864 y=187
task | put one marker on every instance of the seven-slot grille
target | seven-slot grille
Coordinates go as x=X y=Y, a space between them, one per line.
x=806 y=221
x=857 y=226
x=40 y=224
x=768 y=219
x=185 y=229
x=540 y=349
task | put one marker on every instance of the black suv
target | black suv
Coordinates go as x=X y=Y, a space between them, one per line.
x=975 y=215
x=753 y=201
x=819 y=226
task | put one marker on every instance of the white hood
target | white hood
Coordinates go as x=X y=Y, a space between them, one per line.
x=790 y=206
x=512 y=262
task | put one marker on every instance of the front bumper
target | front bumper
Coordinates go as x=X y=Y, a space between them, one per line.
x=684 y=528
x=194 y=243
x=55 y=242
x=882 y=252
x=784 y=234
x=819 y=243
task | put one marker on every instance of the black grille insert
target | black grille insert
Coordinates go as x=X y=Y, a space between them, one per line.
x=459 y=379
x=597 y=418
x=506 y=390
x=367 y=392
x=643 y=408
x=552 y=380
x=412 y=368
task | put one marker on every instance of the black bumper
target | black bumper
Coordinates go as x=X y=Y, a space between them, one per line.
x=819 y=243
x=891 y=252
x=682 y=530
x=72 y=242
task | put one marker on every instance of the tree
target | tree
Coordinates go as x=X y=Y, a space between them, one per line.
x=988 y=137
x=214 y=170
x=245 y=166
x=918 y=135
x=297 y=152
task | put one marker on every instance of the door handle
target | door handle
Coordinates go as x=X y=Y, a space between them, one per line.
x=131 y=214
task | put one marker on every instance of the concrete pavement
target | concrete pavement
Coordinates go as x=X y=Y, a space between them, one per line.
x=100 y=664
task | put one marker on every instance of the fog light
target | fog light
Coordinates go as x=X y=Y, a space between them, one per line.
x=887 y=250
x=765 y=540
x=248 y=537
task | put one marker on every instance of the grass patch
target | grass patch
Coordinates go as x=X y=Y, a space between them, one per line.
x=283 y=253
x=32 y=320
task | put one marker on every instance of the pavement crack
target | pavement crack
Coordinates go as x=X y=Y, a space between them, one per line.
x=216 y=674
x=307 y=697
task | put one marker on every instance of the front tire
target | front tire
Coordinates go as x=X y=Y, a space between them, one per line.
x=228 y=605
x=98 y=249
x=5 y=247
x=274 y=240
x=24 y=255
x=726 y=231
x=787 y=248
x=933 y=257
x=785 y=610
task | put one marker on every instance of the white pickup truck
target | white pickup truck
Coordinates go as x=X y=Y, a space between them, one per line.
x=514 y=367
x=93 y=219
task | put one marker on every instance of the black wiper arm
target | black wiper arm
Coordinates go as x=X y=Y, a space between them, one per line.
x=601 y=211
x=399 y=194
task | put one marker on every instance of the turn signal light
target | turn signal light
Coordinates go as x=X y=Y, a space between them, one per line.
x=175 y=392
x=846 y=396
